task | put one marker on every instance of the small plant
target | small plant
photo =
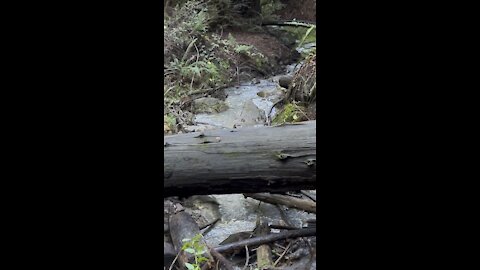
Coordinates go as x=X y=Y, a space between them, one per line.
x=197 y=249
x=243 y=48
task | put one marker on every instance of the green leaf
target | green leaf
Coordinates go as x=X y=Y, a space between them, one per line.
x=190 y=250
x=189 y=266
x=202 y=259
x=201 y=252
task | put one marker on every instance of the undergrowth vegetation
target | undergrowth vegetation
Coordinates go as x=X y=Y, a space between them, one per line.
x=197 y=60
x=201 y=57
x=301 y=104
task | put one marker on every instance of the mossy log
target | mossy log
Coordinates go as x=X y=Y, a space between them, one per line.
x=246 y=160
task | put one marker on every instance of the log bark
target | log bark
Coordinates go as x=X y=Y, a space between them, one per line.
x=246 y=160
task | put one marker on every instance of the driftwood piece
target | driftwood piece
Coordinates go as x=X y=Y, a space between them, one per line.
x=247 y=160
x=305 y=205
x=255 y=241
x=182 y=226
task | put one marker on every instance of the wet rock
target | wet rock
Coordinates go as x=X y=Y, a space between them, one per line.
x=285 y=81
x=250 y=115
x=265 y=94
x=209 y=105
x=255 y=81
x=168 y=254
x=203 y=209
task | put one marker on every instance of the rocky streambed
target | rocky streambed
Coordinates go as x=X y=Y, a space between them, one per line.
x=247 y=104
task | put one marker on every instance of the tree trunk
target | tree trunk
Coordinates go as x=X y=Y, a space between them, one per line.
x=248 y=160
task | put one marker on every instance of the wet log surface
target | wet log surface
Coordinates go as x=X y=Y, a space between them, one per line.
x=246 y=160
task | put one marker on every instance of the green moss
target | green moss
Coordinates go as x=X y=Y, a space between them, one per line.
x=170 y=121
x=290 y=114
x=299 y=33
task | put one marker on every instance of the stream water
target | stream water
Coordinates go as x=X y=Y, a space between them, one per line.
x=239 y=214
x=249 y=103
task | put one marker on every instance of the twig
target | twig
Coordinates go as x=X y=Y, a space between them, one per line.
x=168 y=90
x=282 y=227
x=188 y=49
x=280 y=246
x=308 y=195
x=298 y=108
x=291 y=23
x=256 y=241
x=220 y=257
x=210 y=226
x=174 y=260
x=302 y=204
x=247 y=259
x=283 y=254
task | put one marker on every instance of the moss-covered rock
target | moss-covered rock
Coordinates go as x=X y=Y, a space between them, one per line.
x=291 y=113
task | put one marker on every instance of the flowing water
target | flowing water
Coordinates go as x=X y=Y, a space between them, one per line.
x=249 y=103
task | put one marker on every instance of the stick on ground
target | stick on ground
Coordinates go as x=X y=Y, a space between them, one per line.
x=305 y=205
x=267 y=239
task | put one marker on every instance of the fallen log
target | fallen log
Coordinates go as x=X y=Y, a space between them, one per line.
x=247 y=160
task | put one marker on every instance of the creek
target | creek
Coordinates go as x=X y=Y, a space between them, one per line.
x=248 y=105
